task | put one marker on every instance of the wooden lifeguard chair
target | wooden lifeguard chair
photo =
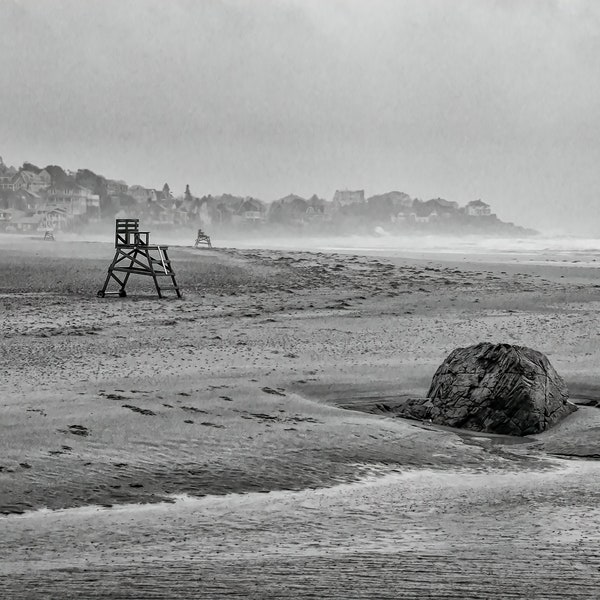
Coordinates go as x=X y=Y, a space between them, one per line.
x=135 y=255
x=202 y=238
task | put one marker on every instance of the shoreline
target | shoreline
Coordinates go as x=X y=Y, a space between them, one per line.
x=373 y=475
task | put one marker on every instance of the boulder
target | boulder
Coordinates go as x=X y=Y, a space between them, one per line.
x=496 y=388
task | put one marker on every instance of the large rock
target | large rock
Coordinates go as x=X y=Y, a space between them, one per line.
x=497 y=388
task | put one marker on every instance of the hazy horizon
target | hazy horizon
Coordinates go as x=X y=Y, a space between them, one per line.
x=486 y=99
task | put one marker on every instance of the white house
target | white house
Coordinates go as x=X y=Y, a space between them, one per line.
x=477 y=208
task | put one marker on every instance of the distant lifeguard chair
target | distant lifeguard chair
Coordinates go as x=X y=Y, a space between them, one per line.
x=49 y=235
x=202 y=238
x=135 y=255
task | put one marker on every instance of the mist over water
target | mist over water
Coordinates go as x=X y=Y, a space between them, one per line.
x=576 y=251
x=580 y=251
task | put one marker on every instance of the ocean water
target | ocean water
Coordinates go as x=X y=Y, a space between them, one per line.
x=577 y=251
x=535 y=250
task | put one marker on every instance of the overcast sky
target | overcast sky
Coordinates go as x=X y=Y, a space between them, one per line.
x=463 y=99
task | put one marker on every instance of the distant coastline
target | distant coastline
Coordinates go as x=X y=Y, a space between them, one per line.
x=34 y=199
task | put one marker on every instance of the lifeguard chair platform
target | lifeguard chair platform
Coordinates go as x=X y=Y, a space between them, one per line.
x=135 y=256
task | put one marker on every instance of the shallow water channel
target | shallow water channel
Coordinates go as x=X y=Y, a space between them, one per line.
x=419 y=534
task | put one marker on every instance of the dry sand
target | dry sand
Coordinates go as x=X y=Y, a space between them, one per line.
x=244 y=387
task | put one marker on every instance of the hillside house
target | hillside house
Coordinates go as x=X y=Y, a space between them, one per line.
x=8 y=181
x=7 y=215
x=440 y=208
x=348 y=197
x=442 y=203
x=92 y=203
x=7 y=175
x=316 y=209
x=141 y=194
x=20 y=199
x=477 y=208
x=250 y=210
x=425 y=218
x=155 y=195
x=116 y=187
x=26 y=223
x=71 y=196
x=54 y=218
x=32 y=182
x=407 y=217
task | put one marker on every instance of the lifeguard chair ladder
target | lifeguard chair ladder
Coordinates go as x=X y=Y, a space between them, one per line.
x=135 y=255
x=202 y=238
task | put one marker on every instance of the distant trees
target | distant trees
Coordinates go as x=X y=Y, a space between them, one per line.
x=27 y=166
x=95 y=183
x=57 y=174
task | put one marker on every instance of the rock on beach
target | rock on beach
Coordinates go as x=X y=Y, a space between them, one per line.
x=495 y=388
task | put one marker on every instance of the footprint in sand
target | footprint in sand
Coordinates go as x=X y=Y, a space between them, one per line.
x=79 y=430
x=193 y=409
x=114 y=396
x=277 y=392
x=137 y=409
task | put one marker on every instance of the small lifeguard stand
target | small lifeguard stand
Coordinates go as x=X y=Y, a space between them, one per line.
x=135 y=255
x=202 y=238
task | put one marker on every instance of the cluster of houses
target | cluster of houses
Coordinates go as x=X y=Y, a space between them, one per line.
x=35 y=199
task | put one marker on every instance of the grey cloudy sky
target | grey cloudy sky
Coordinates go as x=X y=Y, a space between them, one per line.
x=498 y=99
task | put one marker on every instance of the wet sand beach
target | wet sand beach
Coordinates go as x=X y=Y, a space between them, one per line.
x=421 y=534
x=239 y=439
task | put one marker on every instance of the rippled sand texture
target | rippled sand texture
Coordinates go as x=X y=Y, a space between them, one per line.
x=422 y=534
x=237 y=389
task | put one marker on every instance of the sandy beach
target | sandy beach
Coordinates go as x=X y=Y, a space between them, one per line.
x=241 y=442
